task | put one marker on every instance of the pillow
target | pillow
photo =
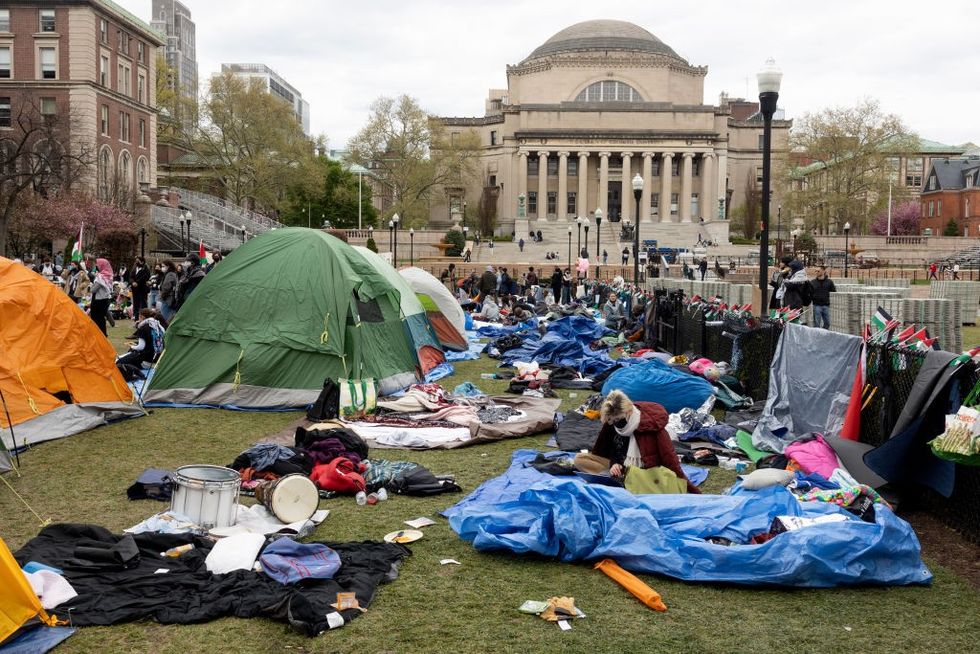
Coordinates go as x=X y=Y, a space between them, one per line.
x=766 y=477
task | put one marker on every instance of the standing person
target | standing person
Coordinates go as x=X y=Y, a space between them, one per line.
x=520 y=245
x=153 y=296
x=101 y=294
x=776 y=282
x=932 y=271
x=189 y=278
x=792 y=287
x=452 y=275
x=626 y=255
x=703 y=267
x=566 y=287
x=139 y=285
x=488 y=282
x=167 y=304
x=556 y=285
x=823 y=286
x=215 y=260
x=503 y=286
x=532 y=279
x=956 y=271
x=613 y=311
x=605 y=256
x=78 y=284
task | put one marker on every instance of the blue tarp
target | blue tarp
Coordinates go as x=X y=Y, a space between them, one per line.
x=653 y=380
x=496 y=331
x=524 y=511
x=566 y=343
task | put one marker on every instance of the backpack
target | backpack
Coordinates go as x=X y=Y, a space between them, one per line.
x=420 y=481
x=806 y=293
x=327 y=405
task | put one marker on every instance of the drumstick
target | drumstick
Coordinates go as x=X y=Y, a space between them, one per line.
x=870 y=395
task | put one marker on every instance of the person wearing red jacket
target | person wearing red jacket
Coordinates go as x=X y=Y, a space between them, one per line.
x=635 y=435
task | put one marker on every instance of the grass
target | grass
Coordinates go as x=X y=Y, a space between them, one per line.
x=471 y=607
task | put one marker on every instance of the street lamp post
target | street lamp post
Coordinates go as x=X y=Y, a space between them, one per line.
x=598 y=233
x=569 y=247
x=243 y=234
x=578 y=240
x=847 y=234
x=360 y=181
x=187 y=250
x=143 y=243
x=586 y=223
x=779 y=230
x=637 y=193
x=769 y=79
x=411 y=246
x=182 y=241
x=391 y=229
x=394 y=255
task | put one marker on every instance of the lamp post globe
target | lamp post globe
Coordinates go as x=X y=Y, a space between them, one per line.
x=411 y=246
x=769 y=79
x=637 y=183
x=394 y=254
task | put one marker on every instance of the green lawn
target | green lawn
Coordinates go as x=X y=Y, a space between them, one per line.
x=471 y=607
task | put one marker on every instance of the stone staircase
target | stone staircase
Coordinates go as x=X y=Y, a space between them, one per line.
x=219 y=224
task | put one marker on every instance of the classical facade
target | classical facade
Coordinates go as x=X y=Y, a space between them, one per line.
x=88 y=66
x=593 y=106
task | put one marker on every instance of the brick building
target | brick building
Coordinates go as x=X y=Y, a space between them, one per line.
x=952 y=192
x=89 y=67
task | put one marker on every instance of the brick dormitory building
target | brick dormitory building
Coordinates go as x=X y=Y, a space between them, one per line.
x=87 y=66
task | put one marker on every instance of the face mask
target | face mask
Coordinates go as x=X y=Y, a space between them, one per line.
x=621 y=423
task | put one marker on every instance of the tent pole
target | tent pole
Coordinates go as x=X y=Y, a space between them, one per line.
x=10 y=426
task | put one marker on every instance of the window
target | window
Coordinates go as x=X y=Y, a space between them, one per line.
x=124 y=126
x=141 y=88
x=939 y=207
x=4 y=20
x=48 y=107
x=493 y=180
x=573 y=167
x=552 y=166
x=673 y=203
x=932 y=208
x=142 y=133
x=532 y=167
x=47 y=20
x=694 y=204
x=141 y=52
x=968 y=181
x=5 y=63
x=104 y=30
x=4 y=112
x=104 y=71
x=532 y=202
x=932 y=183
x=552 y=202
x=493 y=137
x=124 y=75
x=105 y=173
x=696 y=168
x=104 y=120
x=125 y=171
x=675 y=165
x=141 y=173
x=49 y=69
x=123 y=41
x=609 y=91
x=655 y=204
x=758 y=177
x=913 y=172
x=655 y=167
x=572 y=206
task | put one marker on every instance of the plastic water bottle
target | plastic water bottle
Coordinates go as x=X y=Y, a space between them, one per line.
x=361 y=498
x=382 y=494
x=174 y=552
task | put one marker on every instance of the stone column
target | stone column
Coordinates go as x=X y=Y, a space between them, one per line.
x=583 y=181
x=521 y=182
x=647 y=186
x=665 y=182
x=543 y=185
x=562 y=205
x=604 y=183
x=721 y=172
x=626 y=192
x=708 y=205
x=684 y=199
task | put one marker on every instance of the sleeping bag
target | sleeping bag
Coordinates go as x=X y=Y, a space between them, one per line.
x=655 y=381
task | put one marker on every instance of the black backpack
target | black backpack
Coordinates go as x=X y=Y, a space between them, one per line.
x=420 y=481
x=327 y=405
x=806 y=293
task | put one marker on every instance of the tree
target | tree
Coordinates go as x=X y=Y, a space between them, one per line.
x=852 y=153
x=371 y=244
x=413 y=154
x=455 y=238
x=39 y=220
x=329 y=191
x=37 y=156
x=952 y=229
x=252 y=142
x=752 y=216
x=906 y=217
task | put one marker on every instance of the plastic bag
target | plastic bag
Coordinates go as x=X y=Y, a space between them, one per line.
x=960 y=442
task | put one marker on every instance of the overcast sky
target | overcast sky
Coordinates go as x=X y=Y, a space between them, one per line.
x=920 y=60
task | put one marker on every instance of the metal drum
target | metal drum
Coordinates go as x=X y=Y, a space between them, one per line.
x=208 y=495
x=292 y=498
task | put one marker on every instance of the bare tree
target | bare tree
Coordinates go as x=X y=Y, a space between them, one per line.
x=37 y=156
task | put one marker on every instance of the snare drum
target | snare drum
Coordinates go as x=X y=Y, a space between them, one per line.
x=292 y=498
x=208 y=495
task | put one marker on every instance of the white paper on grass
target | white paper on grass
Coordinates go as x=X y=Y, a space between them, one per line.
x=236 y=552
x=257 y=519
x=418 y=523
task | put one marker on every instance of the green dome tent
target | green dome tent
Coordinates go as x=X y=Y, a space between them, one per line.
x=274 y=319
x=428 y=351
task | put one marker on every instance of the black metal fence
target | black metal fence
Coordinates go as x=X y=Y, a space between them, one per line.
x=749 y=344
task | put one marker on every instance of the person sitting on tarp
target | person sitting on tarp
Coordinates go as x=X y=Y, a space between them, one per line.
x=613 y=311
x=634 y=439
x=490 y=312
x=149 y=333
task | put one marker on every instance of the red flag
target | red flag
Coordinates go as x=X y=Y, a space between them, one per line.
x=852 y=418
x=904 y=334
x=202 y=254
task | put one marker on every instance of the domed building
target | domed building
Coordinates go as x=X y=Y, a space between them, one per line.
x=593 y=106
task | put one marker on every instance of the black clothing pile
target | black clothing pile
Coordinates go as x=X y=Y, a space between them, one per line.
x=117 y=580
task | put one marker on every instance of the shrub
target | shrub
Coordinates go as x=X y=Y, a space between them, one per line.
x=455 y=238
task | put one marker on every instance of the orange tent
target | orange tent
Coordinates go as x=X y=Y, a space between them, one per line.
x=57 y=370
x=18 y=603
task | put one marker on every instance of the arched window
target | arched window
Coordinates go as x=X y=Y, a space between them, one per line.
x=609 y=91
x=142 y=171
x=8 y=160
x=105 y=174
x=125 y=173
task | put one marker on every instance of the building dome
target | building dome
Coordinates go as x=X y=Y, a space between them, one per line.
x=604 y=35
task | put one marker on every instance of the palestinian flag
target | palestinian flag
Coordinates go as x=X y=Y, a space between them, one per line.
x=76 y=249
x=202 y=254
x=880 y=320
x=904 y=335
x=921 y=341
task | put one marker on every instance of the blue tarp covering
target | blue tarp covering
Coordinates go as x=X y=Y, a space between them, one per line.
x=525 y=511
x=496 y=331
x=566 y=343
x=653 y=380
